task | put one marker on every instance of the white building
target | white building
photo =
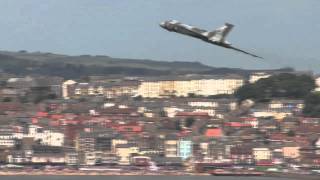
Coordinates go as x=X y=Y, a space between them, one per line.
x=203 y=104
x=67 y=88
x=317 y=81
x=262 y=154
x=7 y=140
x=258 y=75
x=203 y=87
x=45 y=136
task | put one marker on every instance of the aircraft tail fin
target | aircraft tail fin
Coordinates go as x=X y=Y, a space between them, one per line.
x=220 y=33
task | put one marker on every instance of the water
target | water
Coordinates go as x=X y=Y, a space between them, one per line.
x=134 y=178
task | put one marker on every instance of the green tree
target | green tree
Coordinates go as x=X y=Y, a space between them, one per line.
x=138 y=98
x=189 y=121
x=283 y=85
x=291 y=133
x=7 y=99
x=312 y=105
x=178 y=125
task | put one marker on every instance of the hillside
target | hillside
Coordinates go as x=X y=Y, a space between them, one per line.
x=37 y=63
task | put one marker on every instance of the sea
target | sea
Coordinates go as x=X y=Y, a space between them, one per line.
x=134 y=178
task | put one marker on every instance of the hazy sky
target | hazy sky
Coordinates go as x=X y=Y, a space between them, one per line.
x=285 y=32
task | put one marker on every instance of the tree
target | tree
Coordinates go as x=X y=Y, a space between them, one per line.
x=189 y=121
x=177 y=125
x=312 y=105
x=138 y=98
x=7 y=99
x=191 y=95
x=291 y=133
x=278 y=86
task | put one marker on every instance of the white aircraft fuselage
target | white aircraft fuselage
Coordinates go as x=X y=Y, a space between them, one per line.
x=216 y=37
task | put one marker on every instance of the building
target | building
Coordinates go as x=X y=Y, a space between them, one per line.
x=45 y=136
x=7 y=138
x=184 y=149
x=171 y=146
x=257 y=76
x=202 y=86
x=291 y=152
x=95 y=141
x=68 y=88
x=317 y=81
x=242 y=155
x=125 y=152
x=260 y=154
x=71 y=158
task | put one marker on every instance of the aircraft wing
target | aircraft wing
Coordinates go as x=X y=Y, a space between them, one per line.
x=197 y=30
x=193 y=29
x=239 y=50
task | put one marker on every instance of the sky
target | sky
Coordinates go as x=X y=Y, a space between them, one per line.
x=285 y=32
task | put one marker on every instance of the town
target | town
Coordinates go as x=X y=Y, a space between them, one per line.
x=190 y=123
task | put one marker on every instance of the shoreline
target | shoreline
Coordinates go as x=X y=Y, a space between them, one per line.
x=147 y=173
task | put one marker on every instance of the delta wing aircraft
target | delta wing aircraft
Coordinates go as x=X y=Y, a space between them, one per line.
x=216 y=37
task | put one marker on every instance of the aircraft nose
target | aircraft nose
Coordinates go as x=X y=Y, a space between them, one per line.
x=162 y=24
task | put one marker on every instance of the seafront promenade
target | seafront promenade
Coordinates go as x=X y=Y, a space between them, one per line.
x=139 y=173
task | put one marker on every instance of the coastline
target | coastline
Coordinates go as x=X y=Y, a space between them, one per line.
x=143 y=173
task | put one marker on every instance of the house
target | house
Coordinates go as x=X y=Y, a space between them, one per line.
x=47 y=155
x=250 y=120
x=237 y=125
x=107 y=158
x=214 y=132
x=90 y=158
x=7 y=138
x=171 y=146
x=317 y=81
x=242 y=155
x=125 y=152
x=310 y=156
x=217 y=151
x=260 y=154
x=116 y=141
x=4 y=153
x=140 y=160
x=291 y=152
x=95 y=141
x=197 y=115
x=129 y=128
x=184 y=148
x=71 y=158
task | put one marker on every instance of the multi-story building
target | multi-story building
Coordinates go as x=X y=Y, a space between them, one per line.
x=185 y=87
x=45 y=136
x=7 y=138
x=68 y=88
x=95 y=141
x=171 y=146
x=109 y=90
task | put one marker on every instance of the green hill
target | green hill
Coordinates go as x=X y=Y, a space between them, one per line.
x=38 y=63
